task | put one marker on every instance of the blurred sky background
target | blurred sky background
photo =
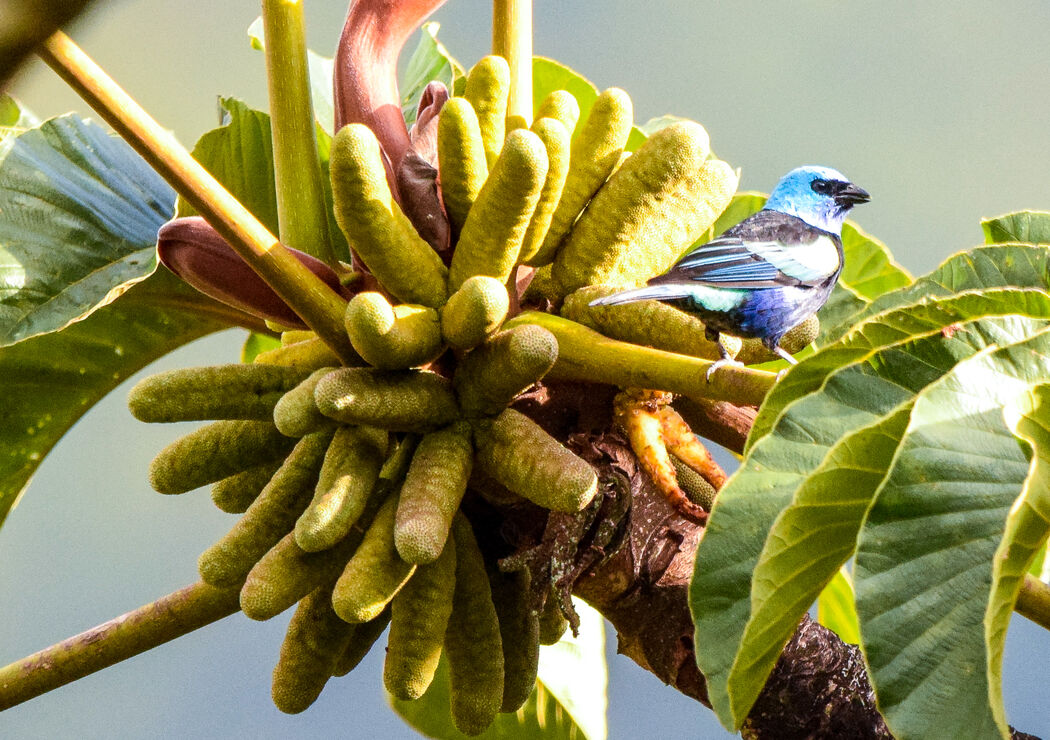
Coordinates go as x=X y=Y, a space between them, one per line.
x=940 y=109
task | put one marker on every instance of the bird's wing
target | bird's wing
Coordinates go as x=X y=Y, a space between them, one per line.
x=769 y=249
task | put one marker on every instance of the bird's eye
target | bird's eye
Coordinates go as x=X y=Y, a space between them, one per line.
x=824 y=187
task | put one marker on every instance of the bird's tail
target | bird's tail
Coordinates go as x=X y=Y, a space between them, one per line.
x=665 y=292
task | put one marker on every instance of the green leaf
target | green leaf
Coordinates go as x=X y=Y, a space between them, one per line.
x=640 y=133
x=568 y=701
x=256 y=344
x=51 y=380
x=549 y=75
x=430 y=61
x=14 y=119
x=835 y=608
x=1028 y=227
x=80 y=212
x=868 y=268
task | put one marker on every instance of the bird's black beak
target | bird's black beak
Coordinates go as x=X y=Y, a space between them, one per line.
x=850 y=195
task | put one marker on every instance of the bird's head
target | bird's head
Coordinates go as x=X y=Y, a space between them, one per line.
x=820 y=196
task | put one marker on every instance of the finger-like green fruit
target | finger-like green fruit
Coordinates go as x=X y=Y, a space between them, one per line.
x=472 y=641
x=434 y=486
x=400 y=400
x=350 y=471
x=488 y=86
x=552 y=623
x=491 y=239
x=392 y=337
x=294 y=336
x=376 y=228
x=364 y=637
x=461 y=159
x=562 y=106
x=214 y=452
x=694 y=485
x=316 y=639
x=375 y=573
x=517 y=453
x=556 y=139
x=418 y=619
x=649 y=323
x=227 y=563
x=474 y=311
x=519 y=629
x=796 y=340
x=235 y=494
x=595 y=152
x=654 y=207
x=296 y=414
x=221 y=392
x=308 y=355
x=490 y=376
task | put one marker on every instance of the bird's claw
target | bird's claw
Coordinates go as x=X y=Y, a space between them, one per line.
x=724 y=362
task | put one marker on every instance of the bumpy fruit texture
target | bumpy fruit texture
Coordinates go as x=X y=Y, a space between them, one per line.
x=796 y=340
x=560 y=105
x=654 y=207
x=648 y=323
x=461 y=159
x=308 y=355
x=296 y=414
x=418 y=619
x=556 y=140
x=517 y=453
x=488 y=85
x=490 y=376
x=392 y=337
x=375 y=573
x=235 y=494
x=595 y=152
x=374 y=225
x=350 y=471
x=430 y=496
x=472 y=642
x=699 y=491
x=491 y=239
x=399 y=400
x=552 y=623
x=474 y=312
x=214 y=452
x=365 y=636
x=226 y=563
x=222 y=392
x=520 y=633
x=316 y=639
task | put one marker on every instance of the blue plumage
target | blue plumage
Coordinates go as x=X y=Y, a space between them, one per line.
x=768 y=273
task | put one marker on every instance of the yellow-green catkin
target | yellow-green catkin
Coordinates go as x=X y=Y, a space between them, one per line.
x=364 y=637
x=796 y=340
x=236 y=493
x=552 y=623
x=556 y=139
x=294 y=336
x=315 y=640
x=491 y=239
x=399 y=400
x=418 y=620
x=296 y=414
x=520 y=633
x=214 y=452
x=472 y=641
x=489 y=377
x=694 y=485
x=562 y=106
x=655 y=206
x=221 y=392
x=434 y=486
x=226 y=563
x=649 y=323
x=488 y=85
x=350 y=471
x=375 y=573
x=461 y=159
x=594 y=153
x=307 y=355
x=474 y=312
x=392 y=337
x=374 y=225
x=516 y=452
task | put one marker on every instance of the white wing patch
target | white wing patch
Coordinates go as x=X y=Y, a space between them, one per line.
x=806 y=262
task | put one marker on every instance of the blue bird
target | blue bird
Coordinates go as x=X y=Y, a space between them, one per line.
x=768 y=273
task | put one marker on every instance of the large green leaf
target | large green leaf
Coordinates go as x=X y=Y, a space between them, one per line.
x=79 y=212
x=549 y=75
x=1028 y=227
x=429 y=62
x=568 y=703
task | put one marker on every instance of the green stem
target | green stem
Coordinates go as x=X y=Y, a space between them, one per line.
x=1033 y=601
x=584 y=354
x=318 y=305
x=512 y=40
x=301 y=212
x=154 y=624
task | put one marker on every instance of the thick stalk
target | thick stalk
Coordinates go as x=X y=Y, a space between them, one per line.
x=154 y=624
x=301 y=214
x=1034 y=601
x=512 y=40
x=317 y=304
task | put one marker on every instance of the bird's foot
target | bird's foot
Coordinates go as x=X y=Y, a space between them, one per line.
x=724 y=362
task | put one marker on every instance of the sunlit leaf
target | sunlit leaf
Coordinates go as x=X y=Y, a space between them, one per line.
x=1027 y=227
x=549 y=75
x=430 y=61
x=836 y=609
